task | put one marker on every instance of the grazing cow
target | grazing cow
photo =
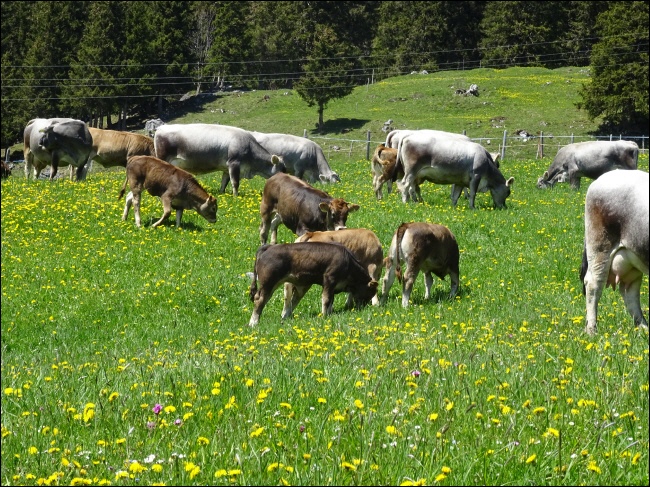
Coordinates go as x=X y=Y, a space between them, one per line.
x=5 y=172
x=426 y=247
x=447 y=160
x=301 y=207
x=56 y=142
x=393 y=138
x=176 y=188
x=384 y=169
x=590 y=160
x=201 y=148
x=302 y=157
x=363 y=244
x=304 y=264
x=616 y=241
x=113 y=148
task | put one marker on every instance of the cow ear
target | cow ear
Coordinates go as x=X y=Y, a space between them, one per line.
x=373 y=285
x=324 y=207
x=353 y=207
x=545 y=176
x=322 y=178
x=510 y=181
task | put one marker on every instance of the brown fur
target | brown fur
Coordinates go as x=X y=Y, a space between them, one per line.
x=384 y=169
x=113 y=148
x=300 y=207
x=176 y=188
x=302 y=265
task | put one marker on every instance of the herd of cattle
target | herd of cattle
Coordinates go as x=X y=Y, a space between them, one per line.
x=351 y=260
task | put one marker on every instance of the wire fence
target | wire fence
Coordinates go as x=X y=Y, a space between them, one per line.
x=508 y=146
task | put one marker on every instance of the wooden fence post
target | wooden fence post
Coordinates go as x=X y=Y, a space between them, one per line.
x=304 y=133
x=503 y=146
x=540 y=146
x=368 y=145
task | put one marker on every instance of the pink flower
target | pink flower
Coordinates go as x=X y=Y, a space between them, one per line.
x=178 y=422
x=157 y=408
x=415 y=373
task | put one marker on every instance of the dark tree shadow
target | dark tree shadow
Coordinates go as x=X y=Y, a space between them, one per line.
x=339 y=126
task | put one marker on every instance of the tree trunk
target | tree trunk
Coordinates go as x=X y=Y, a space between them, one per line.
x=320 y=117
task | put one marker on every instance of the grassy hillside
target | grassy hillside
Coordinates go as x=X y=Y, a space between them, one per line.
x=532 y=99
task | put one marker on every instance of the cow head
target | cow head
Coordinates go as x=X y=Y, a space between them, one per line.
x=208 y=209
x=336 y=212
x=501 y=192
x=278 y=165
x=332 y=178
x=363 y=294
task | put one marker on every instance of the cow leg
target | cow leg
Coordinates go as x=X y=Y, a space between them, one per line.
x=327 y=297
x=374 y=271
x=234 y=172
x=29 y=160
x=292 y=296
x=136 y=207
x=455 y=282
x=456 y=191
x=225 y=178
x=389 y=185
x=473 y=188
x=275 y=223
x=410 y=275
x=404 y=186
x=127 y=206
x=259 y=301
x=179 y=215
x=595 y=281
x=428 y=284
x=631 y=295
x=54 y=165
x=81 y=172
x=167 y=210
x=387 y=282
x=575 y=182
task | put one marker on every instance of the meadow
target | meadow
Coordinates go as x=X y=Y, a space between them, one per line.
x=127 y=357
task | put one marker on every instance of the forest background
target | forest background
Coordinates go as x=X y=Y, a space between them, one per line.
x=115 y=64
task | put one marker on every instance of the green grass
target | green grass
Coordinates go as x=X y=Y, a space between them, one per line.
x=500 y=386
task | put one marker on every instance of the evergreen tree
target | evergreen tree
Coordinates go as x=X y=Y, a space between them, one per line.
x=327 y=71
x=618 y=91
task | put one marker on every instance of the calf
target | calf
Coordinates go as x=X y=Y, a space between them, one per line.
x=304 y=264
x=177 y=189
x=301 y=207
x=616 y=241
x=384 y=169
x=426 y=247
x=363 y=244
x=5 y=172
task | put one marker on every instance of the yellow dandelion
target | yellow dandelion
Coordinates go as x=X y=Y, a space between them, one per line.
x=322 y=400
x=636 y=458
x=539 y=410
x=531 y=458
x=257 y=432
x=113 y=396
x=440 y=477
x=449 y=406
x=203 y=441
x=348 y=466
x=593 y=467
x=433 y=416
x=358 y=404
x=391 y=430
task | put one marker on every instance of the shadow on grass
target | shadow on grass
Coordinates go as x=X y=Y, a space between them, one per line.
x=339 y=126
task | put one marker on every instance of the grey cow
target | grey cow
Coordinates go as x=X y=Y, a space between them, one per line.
x=589 y=159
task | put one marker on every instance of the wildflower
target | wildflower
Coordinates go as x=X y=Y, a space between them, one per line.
x=358 y=404
x=552 y=432
x=89 y=412
x=157 y=408
x=636 y=458
x=322 y=400
x=170 y=409
x=414 y=482
x=348 y=466
x=446 y=470
x=531 y=458
x=539 y=410
x=220 y=473
x=391 y=430
x=415 y=373
x=113 y=396
x=433 y=416
x=137 y=468
x=440 y=477
x=257 y=432
x=307 y=456
x=151 y=424
x=178 y=422
x=32 y=450
x=203 y=441
x=449 y=406
x=157 y=468
x=593 y=467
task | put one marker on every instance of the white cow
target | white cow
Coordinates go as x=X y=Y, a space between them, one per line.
x=449 y=160
x=616 y=241
x=303 y=158
x=394 y=137
x=201 y=148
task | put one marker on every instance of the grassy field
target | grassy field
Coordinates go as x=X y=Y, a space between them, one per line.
x=127 y=357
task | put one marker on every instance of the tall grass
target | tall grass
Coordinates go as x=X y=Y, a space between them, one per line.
x=127 y=359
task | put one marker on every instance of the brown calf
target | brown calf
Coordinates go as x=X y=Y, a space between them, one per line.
x=384 y=169
x=176 y=188
x=363 y=244
x=304 y=264
x=301 y=207
x=426 y=247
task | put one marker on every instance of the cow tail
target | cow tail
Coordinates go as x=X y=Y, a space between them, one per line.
x=126 y=179
x=253 y=289
x=583 y=269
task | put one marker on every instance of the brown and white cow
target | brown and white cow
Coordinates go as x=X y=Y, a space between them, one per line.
x=304 y=264
x=616 y=241
x=383 y=166
x=113 y=148
x=200 y=148
x=589 y=159
x=363 y=244
x=426 y=247
x=176 y=188
x=300 y=207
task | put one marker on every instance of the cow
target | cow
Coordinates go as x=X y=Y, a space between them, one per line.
x=113 y=148
x=615 y=248
x=384 y=169
x=177 y=189
x=448 y=160
x=393 y=138
x=304 y=264
x=590 y=160
x=302 y=157
x=201 y=148
x=5 y=172
x=363 y=244
x=56 y=142
x=301 y=207
x=427 y=247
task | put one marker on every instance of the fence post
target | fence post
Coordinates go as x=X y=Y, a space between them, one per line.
x=610 y=137
x=540 y=146
x=572 y=138
x=503 y=146
x=304 y=133
x=368 y=145
x=351 y=144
